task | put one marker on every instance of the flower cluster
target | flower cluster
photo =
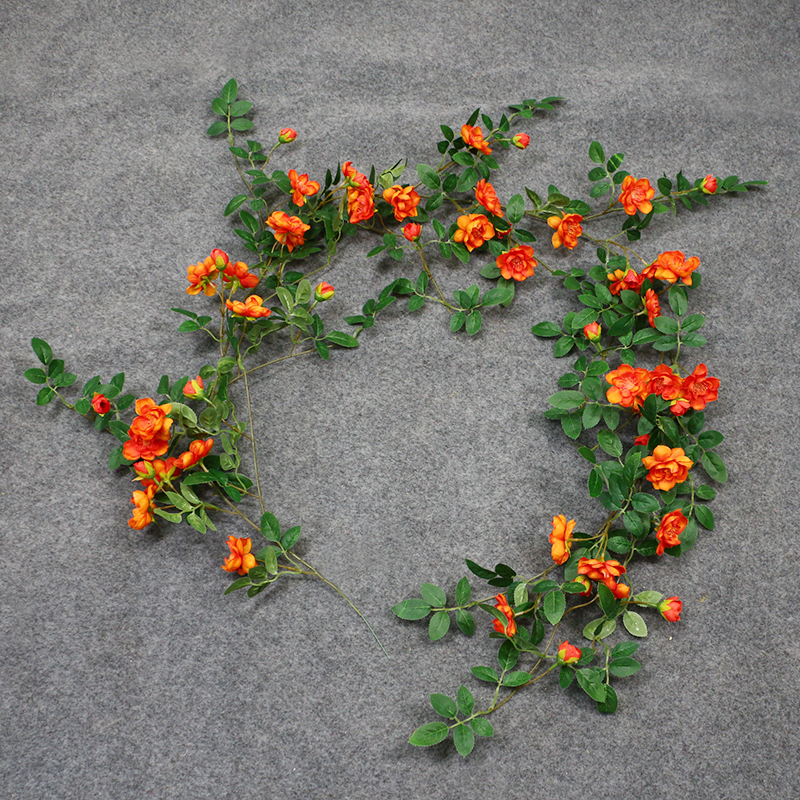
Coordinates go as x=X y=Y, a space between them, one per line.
x=149 y=432
x=203 y=274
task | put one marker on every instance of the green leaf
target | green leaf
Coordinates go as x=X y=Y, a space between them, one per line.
x=677 y=300
x=645 y=502
x=465 y=621
x=464 y=739
x=42 y=350
x=610 y=442
x=599 y=628
x=572 y=425
x=596 y=153
x=444 y=705
x=714 y=466
x=546 y=330
x=289 y=539
x=592 y=684
x=217 y=128
x=457 y=321
x=270 y=527
x=430 y=734
x=481 y=572
x=474 y=321
x=438 y=625
x=624 y=666
x=463 y=592
x=482 y=726
x=666 y=325
x=709 y=439
x=242 y=124
x=565 y=676
x=45 y=396
x=609 y=705
x=515 y=209
x=428 y=176
x=235 y=203
x=507 y=655
x=413 y=608
x=486 y=674
x=705 y=517
x=634 y=624
x=433 y=595
x=342 y=339
x=240 y=107
x=554 y=606
x=516 y=678
x=466 y=702
x=35 y=375
x=172 y=518
x=500 y=294
x=567 y=399
x=608 y=602
x=229 y=92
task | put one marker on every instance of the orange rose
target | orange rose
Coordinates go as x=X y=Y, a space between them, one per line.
x=485 y=195
x=636 y=195
x=521 y=140
x=155 y=472
x=101 y=404
x=605 y=572
x=301 y=186
x=473 y=230
x=360 y=202
x=404 y=201
x=593 y=331
x=671 y=609
x=628 y=386
x=672 y=265
x=239 y=272
x=670 y=528
x=709 y=185
x=240 y=560
x=653 y=307
x=194 y=388
x=473 y=137
x=624 y=279
x=412 y=231
x=288 y=230
x=699 y=389
x=667 y=466
x=568 y=653
x=561 y=538
x=664 y=382
x=250 y=308
x=287 y=135
x=502 y=605
x=201 y=277
x=143 y=502
x=149 y=431
x=517 y=263
x=198 y=450
x=567 y=230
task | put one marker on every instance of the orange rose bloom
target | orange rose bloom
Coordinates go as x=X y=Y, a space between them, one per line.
x=485 y=195
x=664 y=382
x=301 y=186
x=473 y=137
x=667 y=466
x=201 y=277
x=699 y=389
x=404 y=201
x=239 y=272
x=628 y=386
x=101 y=404
x=653 y=307
x=149 y=431
x=672 y=265
x=360 y=203
x=288 y=230
x=517 y=263
x=605 y=572
x=473 y=230
x=624 y=279
x=143 y=502
x=198 y=449
x=412 y=231
x=503 y=606
x=567 y=230
x=250 y=308
x=636 y=195
x=568 y=653
x=671 y=609
x=240 y=560
x=561 y=538
x=671 y=527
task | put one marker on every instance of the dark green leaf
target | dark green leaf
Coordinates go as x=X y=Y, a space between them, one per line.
x=516 y=678
x=705 y=517
x=610 y=442
x=414 y=608
x=235 y=203
x=42 y=350
x=430 y=734
x=482 y=726
x=515 y=209
x=464 y=739
x=217 y=128
x=596 y=153
x=341 y=339
x=438 y=625
x=481 y=572
x=433 y=594
x=507 y=655
x=465 y=621
x=624 y=666
x=591 y=684
x=609 y=705
x=35 y=375
x=486 y=674
x=554 y=606
x=715 y=467
x=45 y=396
x=546 y=330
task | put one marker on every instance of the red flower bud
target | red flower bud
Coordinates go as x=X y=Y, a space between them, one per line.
x=101 y=404
x=323 y=292
x=643 y=439
x=412 y=231
x=592 y=331
x=521 y=140
x=671 y=609
x=287 y=135
x=568 y=653
x=709 y=184
x=194 y=388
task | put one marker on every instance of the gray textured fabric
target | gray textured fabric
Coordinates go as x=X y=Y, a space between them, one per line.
x=125 y=673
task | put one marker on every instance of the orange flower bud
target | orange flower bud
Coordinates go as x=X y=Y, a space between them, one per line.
x=412 y=231
x=403 y=199
x=709 y=184
x=101 y=404
x=287 y=135
x=592 y=331
x=219 y=258
x=502 y=605
x=473 y=230
x=143 y=502
x=653 y=307
x=485 y=195
x=324 y=291
x=240 y=560
x=671 y=609
x=667 y=466
x=200 y=448
x=520 y=140
x=561 y=538
x=194 y=388
x=517 y=263
x=636 y=195
x=568 y=653
x=473 y=137
x=239 y=272
x=302 y=187
x=671 y=527
x=567 y=230
x=620 y=590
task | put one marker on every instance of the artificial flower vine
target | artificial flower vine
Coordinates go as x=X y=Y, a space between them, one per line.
x=640 y=428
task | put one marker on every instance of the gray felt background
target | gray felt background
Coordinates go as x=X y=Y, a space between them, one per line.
x=124 y=672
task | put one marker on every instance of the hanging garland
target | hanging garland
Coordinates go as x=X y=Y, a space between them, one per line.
x=640 y=428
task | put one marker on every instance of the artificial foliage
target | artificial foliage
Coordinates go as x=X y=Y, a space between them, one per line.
x=632 y=402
